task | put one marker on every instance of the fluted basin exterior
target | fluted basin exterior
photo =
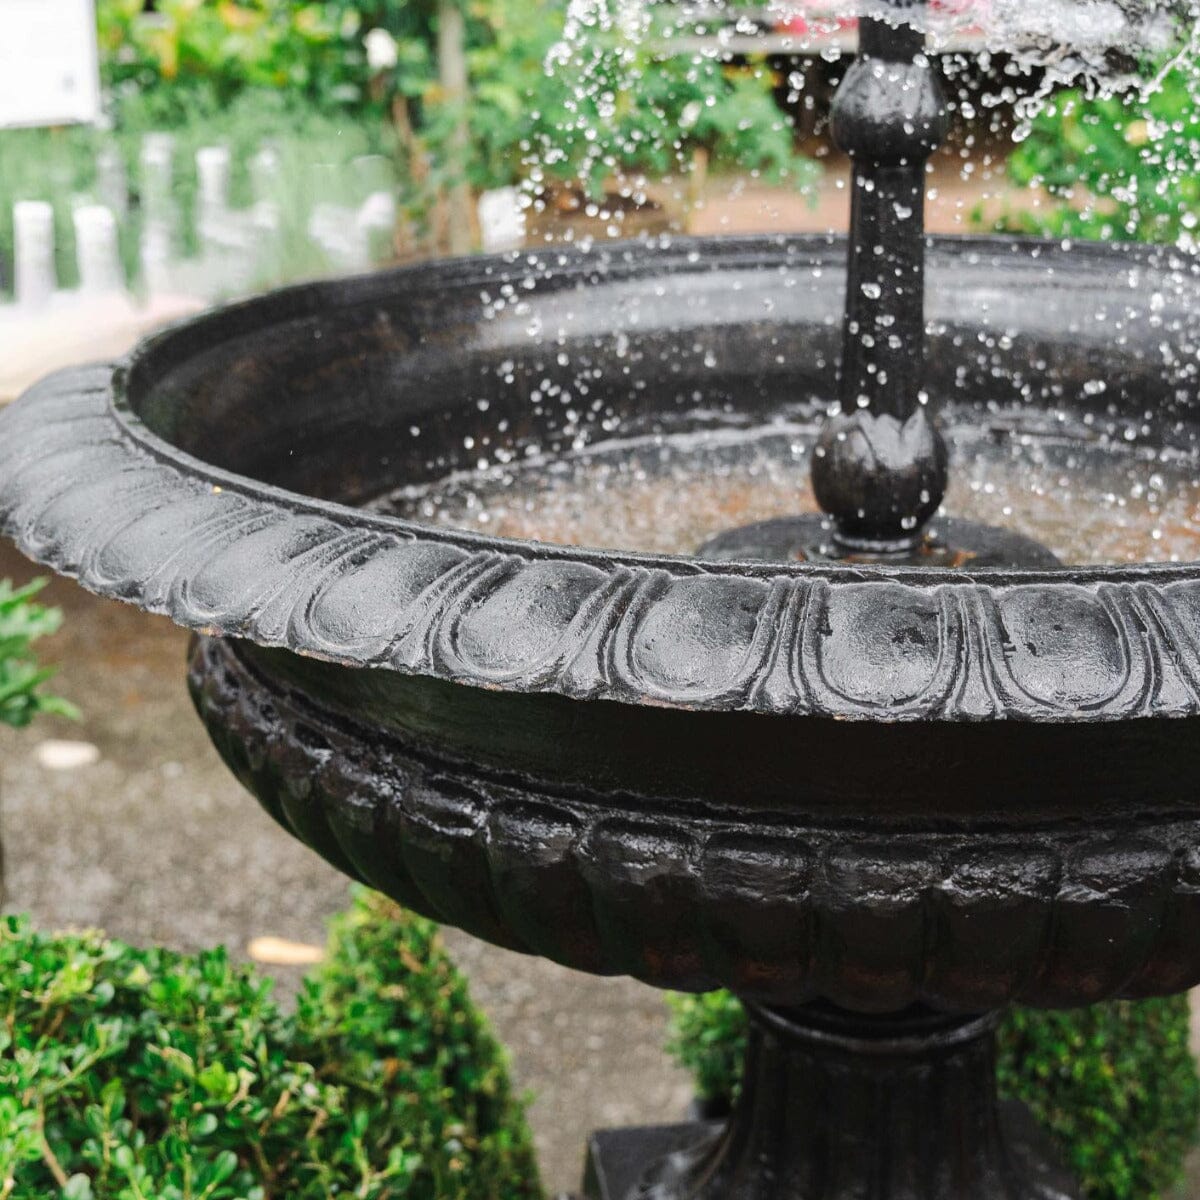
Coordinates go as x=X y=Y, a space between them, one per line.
x=782 y=901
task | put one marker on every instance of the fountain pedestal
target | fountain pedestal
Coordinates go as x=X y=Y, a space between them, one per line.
x=839 y=1106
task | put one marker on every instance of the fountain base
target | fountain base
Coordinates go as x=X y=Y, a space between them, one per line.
x=948 y=542
x=840 y=1106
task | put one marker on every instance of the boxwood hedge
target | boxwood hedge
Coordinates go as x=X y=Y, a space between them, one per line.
x=145 y=1074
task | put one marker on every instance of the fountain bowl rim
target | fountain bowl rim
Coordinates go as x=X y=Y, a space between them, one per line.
x=602 y=650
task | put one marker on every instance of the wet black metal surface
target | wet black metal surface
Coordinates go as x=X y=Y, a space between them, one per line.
x=720 y=892
x=880 y=468
x=213 y=480
x=838 y=1107
x=791 y=861
x=951 y=544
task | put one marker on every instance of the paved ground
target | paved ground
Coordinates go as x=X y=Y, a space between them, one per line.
x=76 y=329
x=156 y=842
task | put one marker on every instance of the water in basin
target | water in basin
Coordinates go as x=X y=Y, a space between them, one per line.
x=1090 y=499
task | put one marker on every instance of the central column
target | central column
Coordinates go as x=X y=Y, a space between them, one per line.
x=880 y=464
x=880 y=467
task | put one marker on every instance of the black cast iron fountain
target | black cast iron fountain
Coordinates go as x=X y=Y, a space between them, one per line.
x=881 y=773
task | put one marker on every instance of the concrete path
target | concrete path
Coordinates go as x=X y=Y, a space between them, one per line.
x=75 y=330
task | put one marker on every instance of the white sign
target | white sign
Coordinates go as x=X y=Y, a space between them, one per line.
x=49 y=65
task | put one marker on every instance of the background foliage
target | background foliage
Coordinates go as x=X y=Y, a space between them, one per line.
x=210 y=52
x=581 y=100
x=22 y=622
x=131 y=1074
x=1114 y=1085
x=620 y=104
x=302 y=78
x=1117 y=168
x=320 y=157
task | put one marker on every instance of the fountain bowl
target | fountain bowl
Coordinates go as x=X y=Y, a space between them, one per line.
x=868 y=785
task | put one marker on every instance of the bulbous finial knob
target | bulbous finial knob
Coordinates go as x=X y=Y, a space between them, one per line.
x=889 y=112
x=880 y=478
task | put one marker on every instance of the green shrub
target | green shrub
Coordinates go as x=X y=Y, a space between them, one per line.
x=1120 y=168
x=1114 y=1084
x=131 y=1074
x=22 y=622
x=707 y=1036
x=390 y=1016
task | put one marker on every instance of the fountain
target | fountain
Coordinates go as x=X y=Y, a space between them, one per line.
x=880 y=772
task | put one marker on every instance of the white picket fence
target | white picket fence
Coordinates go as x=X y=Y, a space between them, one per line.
x=45 y=324
x=239 y=248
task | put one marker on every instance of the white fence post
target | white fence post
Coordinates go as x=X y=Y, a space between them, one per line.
x=35 y=276
x=98 y=251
